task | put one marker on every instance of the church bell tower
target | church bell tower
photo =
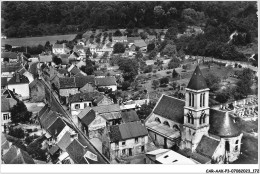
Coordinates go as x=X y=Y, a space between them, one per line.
x=196 y=111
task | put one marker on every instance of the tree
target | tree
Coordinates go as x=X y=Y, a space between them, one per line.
x=89 y=68
x=118 y=48
x=56 y=60
x=129 y=68
x=145 y=110
x=150 y=47
x=118 y=33
x=48 y=46
x=139 y=55
x=88 y=53
x=125 y=85
x=148 y=69
x=155 y=84
x=152 y=55
x=222 y=97
x=19 y=113
x=18 y=133
x=174 y=63
x=8 y=47
x=212 y=82
x=171 y=34
x=164 y=80
x=169 y=50
x=174 y=74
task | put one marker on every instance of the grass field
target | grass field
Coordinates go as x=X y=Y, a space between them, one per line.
x=35 y=41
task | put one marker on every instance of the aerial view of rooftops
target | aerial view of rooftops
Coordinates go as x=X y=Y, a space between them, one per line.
x=129 y=82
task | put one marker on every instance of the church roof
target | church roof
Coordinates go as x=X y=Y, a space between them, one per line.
x=222 y=124
x=170 y=108
x=197 y=81
x=207 y=146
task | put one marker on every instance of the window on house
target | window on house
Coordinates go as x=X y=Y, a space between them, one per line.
x=136 y=140
x=89 y=104
x=142 y=148
x=166 y=123
x=6 y=116
x=227 y=146
x=85 y=105
x=77 y=106
x=236 y=148
x=123 y=143
x=123 y=152
x=117 y=143
x=158 y=120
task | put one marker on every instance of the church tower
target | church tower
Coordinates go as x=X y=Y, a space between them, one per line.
x=196 y=111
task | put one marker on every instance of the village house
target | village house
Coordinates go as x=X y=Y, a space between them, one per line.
x=121 y=39
x=107 y=82
x=6 y=105
x=80 y=49
x=167 y=156
x=80 y=101
x=20 y=85
x=111 y=113
x=9 y=56
x=102 y=100
x=75 y=71
x=45 y=58
x=37 y=91
x=140 y=44
x=23 y=71
x=7 y=69
x=71 y=85
x=129 y=116
x=125 y=140
x=210 y=135
x=60 y=49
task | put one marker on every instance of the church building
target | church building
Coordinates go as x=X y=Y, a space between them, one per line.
x=210 y=135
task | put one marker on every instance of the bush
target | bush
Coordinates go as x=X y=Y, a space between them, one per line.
x=148 y=69
x=125 y=85
x=18 y=133
x=164 y=80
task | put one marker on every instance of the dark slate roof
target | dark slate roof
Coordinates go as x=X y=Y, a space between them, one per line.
x=3 y=81
x=56 y=127
x=64 y=141
x=127 y=131
x=18 y=79
x=23 y=158
x=129 y=116
x=197 y=81
x=207 y=146
x=53 y=149
x=106 y=81
x=79 y=97
x=10 y=67
x=222 y=124
x=43 y=110
x=33 y=68
x=107 y=108
x=5 y=105
x=48 y=119
x=75 y=82
x=8 y=93
x=87 y=116
x=76 y=152
x=170 y=108
x=75 y=70
x=10 y=55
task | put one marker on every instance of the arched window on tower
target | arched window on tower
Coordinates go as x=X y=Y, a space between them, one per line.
x=166 y=123
x=202 y=117
x=190 y=117
x=175 y=127
x=236 y=147
x=157 y=120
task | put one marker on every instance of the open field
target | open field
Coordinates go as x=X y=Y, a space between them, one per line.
x=35 y=41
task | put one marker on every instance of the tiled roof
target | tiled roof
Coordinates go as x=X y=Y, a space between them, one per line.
x=5 y=105
x=106 y=81
x=107 y=108
x=56 y=127
x=87 y=116
x=10 y=55
x=18 y=79
x=207 y=146
x=111 y=115
x=43 y=110
x=3 y=81
x=129 y=116
x=64 y=141
x=127 y=131
x=197 y=81
x=75 y=70
x=76 y=152
x=48 y=119
x=10 y=67
x=140 y=43
x=57 y=46
x=53 y=149
x=170 y=108
x=222 y=124
x=75 y=82
x=62 y=71
x=45 y=58
x=33 y=68
x=90 y=96
x=10 y=155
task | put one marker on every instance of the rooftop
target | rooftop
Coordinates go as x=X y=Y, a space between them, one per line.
x=129 y=116
x=106 y=81
x=207 y=146
x=197 y=81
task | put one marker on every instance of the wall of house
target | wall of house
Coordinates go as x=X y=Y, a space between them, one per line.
x=58 y=50
x=22 y=89
x=5 y=120
x=37 y=93
x=66 y=92
x=80 y=105
x=96 y=127
x=232 y=155
x=136 y=147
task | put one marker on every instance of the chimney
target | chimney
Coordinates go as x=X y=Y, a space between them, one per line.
x=17 y=77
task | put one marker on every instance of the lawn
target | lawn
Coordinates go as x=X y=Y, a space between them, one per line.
x=35 y=41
